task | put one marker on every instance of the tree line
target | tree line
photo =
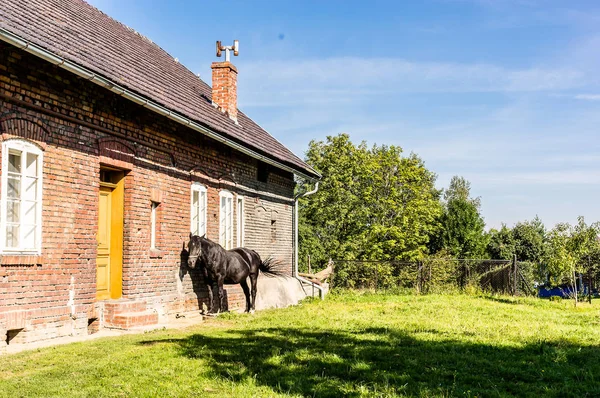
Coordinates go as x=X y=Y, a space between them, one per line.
x=374 y=203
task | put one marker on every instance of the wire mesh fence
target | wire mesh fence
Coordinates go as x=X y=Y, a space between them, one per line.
x=436 y=275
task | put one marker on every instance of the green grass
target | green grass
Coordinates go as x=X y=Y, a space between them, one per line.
x=348 y=345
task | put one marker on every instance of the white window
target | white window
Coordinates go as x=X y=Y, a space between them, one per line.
x=21 y=202
x=240 y=221
x=226 y=220
x=198 y=213
x=153 y=210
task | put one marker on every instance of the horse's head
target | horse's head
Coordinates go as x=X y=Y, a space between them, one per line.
x=194 y=250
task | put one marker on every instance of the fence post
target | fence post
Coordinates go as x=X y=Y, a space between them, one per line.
x=429 y=279
x=332 y=277
x=515 y=274
x=465 y=274
x=419 y=277
x=422 y=277
x=589 y=282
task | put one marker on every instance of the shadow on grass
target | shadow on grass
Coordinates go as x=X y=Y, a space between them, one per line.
x=381 y=361
x=503 y=300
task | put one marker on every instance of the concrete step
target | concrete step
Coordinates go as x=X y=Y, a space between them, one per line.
x=132 y=320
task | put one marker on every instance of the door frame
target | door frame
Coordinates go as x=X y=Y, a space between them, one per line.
x=116 y=181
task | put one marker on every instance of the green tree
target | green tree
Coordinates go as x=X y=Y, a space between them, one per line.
x=372 y=203
x=402 y=205
x=529 y=238
x=584 y=240
x=572 y=249
x=331 y=219
x=461 y=227
x=501 y=244
x=585 y=246
x=460 y=189
x=560 y=259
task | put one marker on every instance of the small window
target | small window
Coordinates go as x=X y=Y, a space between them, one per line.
x=273 y=231
x=198 y=210
x=241 y=222
x=21 y=203
x=226 y=220
x=262 y=173
x=153 y=227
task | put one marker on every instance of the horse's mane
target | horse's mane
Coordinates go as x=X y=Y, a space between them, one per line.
x=208 y=242
x=214 y=249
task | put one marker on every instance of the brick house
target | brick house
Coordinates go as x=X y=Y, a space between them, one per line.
x=111 y=153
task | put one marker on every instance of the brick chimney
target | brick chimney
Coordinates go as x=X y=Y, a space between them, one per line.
x=224 y=88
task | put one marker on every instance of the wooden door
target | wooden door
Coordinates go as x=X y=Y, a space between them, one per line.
x=103 y=276
x=109 y=260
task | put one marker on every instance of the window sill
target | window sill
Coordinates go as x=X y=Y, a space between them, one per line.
x=21 y=259
x=156 y=253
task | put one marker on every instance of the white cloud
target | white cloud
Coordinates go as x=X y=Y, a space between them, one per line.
x=318 y=81
x=588 y=97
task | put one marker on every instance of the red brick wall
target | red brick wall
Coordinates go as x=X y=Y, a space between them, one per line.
x=34 y=296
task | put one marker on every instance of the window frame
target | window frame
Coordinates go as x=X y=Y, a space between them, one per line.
x=225 y=230
x=202 y=216
x=24 y=148
x=153 y=224
x=240 y=221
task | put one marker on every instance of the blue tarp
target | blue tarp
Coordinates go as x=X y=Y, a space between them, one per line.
x=562 y=291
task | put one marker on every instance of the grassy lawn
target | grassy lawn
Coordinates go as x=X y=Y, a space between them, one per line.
x=349 y=345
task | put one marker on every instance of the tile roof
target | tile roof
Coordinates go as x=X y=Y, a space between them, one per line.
x=79 y=32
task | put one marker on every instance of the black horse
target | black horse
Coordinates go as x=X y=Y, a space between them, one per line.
x=229 y=267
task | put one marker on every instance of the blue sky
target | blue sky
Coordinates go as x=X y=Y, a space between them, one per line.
x=503 y=92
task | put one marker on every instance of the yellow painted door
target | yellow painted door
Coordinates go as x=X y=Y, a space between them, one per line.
x=103 y=265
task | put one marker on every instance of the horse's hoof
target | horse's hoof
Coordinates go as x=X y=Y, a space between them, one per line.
x=251 y=311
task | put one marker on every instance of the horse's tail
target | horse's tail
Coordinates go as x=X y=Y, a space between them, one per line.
x=272 y=267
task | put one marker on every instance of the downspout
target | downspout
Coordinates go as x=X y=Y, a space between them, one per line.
x=298 y=277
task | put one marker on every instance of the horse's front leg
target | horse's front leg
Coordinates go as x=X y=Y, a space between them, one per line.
x=211 y=300
x=221 y=297
x=209 y=286
x=220 y=294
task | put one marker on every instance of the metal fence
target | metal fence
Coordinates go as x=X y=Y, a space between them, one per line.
x=436 y=274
